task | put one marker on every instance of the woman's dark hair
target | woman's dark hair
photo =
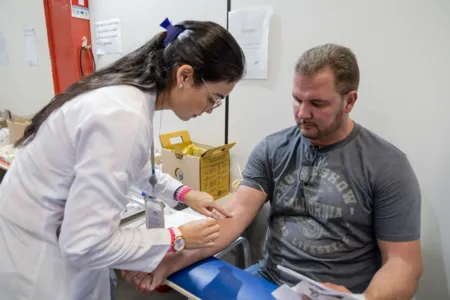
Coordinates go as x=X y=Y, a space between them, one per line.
x=209 y=48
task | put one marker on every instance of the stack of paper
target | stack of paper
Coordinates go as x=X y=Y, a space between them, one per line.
x=310 y=288
x=135 y=206
x=172 y=218
x=132 y=209
x=175 y=218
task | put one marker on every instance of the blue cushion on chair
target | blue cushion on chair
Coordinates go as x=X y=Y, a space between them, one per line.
x=213 y=279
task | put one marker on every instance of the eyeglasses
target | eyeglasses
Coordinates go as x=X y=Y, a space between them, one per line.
x=309 y=156
x=214 y=102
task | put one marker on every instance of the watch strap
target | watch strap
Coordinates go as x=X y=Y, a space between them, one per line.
x=175 y=233
x=172 y=239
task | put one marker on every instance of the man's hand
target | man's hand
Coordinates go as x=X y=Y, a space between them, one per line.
x=146 y=283
x=140 y=280
x=159 y=275
x=204 y=204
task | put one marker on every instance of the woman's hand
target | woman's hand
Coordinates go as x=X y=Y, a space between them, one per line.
x=204 y=204
x=200 y=234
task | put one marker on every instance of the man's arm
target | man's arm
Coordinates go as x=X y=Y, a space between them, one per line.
x=243 y=205
x=397 y=210
x=399 y=276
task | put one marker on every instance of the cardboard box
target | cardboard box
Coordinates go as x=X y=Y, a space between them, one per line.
x=205 y=168
x=17 y=127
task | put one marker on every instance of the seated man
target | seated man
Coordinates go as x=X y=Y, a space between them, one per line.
x=345 y=203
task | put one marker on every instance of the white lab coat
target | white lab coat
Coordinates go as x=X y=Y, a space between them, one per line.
x=73 y=178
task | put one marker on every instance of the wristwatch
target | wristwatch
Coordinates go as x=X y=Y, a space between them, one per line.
x=178 y=242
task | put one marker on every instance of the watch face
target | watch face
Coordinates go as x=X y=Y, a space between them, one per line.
x=179 y=244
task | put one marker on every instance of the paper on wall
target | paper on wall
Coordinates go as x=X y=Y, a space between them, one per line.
x=31 y=53
x=108 y=37
x=250 y=28
x=4 y=56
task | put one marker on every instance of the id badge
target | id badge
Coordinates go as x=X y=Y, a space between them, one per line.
x=154 y=214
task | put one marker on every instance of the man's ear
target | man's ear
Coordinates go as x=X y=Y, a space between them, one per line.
x=350 y=101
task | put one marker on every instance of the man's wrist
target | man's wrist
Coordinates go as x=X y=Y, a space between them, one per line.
x=173 y=262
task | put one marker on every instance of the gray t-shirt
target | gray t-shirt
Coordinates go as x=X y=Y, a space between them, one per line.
x=329 y=205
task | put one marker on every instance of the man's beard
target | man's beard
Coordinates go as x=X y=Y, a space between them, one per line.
x=321 y=134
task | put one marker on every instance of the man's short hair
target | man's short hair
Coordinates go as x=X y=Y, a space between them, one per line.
x=339 y=59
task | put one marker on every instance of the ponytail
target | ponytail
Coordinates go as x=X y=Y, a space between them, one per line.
x=207 y=47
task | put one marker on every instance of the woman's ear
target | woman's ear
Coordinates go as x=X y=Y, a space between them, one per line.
x=185 y=75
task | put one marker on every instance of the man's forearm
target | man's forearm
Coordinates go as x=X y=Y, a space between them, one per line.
x=395 y=280
x=230 y=229
x=228 y=234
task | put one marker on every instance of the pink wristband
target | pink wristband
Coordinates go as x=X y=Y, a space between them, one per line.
x=183 y=192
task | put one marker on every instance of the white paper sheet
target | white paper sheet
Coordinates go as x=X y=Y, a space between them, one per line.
x=175 y=218
x=131 y=210
x=31 y=53
x=250 y=28
x=286 y=293
x=310 y=288
x=4 y=56
x=172 y=217
x=108 y=37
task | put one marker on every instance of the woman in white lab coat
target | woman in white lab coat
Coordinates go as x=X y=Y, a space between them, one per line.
x=60 y=202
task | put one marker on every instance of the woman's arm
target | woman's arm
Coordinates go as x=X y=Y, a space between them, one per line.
x=110 y=147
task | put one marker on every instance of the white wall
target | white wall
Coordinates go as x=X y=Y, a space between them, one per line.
x=23 y=89
x=140 y=21
x=404 y=54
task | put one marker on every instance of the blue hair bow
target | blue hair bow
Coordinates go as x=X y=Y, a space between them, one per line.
x=172 y=31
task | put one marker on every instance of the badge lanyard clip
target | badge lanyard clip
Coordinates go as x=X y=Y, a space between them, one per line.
x=154 y=209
